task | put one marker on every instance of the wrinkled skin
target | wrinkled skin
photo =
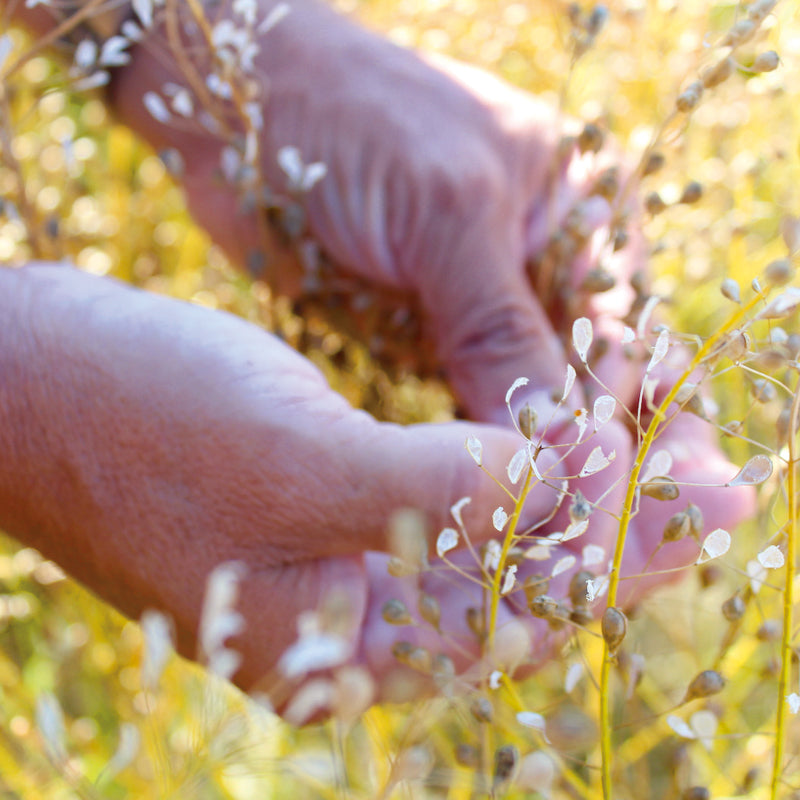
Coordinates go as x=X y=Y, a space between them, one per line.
x=180 y=438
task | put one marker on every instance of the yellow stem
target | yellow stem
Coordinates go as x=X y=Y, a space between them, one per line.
x=627 y=510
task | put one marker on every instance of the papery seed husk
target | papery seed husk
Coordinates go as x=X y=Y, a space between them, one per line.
x=733 y=428
x=475 y=621
x=506 y=763
x=783 y=423
x=395 y=613
x=429 y=609
x=719 y=73
x=707 y=683
x=769 y=360
x=733 y=608
x=692 y=192
x=527 y=420
x=696 y=520
x=759 y=10
x=661 y=488
x=543 y=606
x=444 y=671
x=590 y=138
x=577 y=587
x=696 y=793
x=481 y=708
x=614 y=626
x=676 y=527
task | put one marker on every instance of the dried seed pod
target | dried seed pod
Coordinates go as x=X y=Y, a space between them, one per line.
x=468 y=756
x=506 y=765
x=419 y=659
x=429 y=610
x=476 y=622
x=730 y=289
x=689 y=99
x=620 y=239
x=759 y=10
x=763 y=391
x=613 y=626
x=577 y=587
x=676 y=527
x=692 y=192
x=558 y=619
x=565 y=147
x=707 y=683
x=395 y=613
x=402 y=650
x=733 y=608
x=481 y=708
x=783 y=424
x=527 y=419
x=591 y=138
x=733 y=428
x=399 y=568
x=515 y=557
x=543 y=606
x=710 y=575
x=696 y=793
x=741 y=32
x=766 y=62
x=769 y=360
x=444 y=671
x=598 y=280
x=534 y=586
x=769 y=631
x=690 y=400
x=654 y=204
x=654 y=162
x=750 y=779
x=580 y=508
x=779 y=272
x=607 y=183
x=696 y=521
x=596 y=20
x=719 y=73
x=581 y=615
x=661 y=488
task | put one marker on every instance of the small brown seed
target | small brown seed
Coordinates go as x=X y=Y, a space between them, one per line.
x=607 y=183
x=620 y=239
x=661 y=488
x=591 y=138
x=676 y=527
x=692 y=192
x=543 y=606
x=596 y=20
x=476 y=622
x=429 y=609
x=710 y=575
x=515 y=557
x=769 y=631
x=614 y=626
x=750 y=779
x=527 y=419
x=581 y=615
x=719 y=73
x=707 y=683
x=696 y=793
x=395 y=613
x=506 y=764
x=654 y=204
x=577 y=587
x=598 y=280
x=696 y=521
x=534 y=586
x=733 y=608
x=482 y=709
x=468 y=756
x=654 y=162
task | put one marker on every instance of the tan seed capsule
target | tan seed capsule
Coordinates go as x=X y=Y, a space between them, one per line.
x=565 y=147
x=661 y=488
x=766 y=62
x=710 y=575
x=607 y=183
x=741 y=32
x=696 y=793
x=591 y=138
x=621 y=239
x=783 y=424
x=719 y=73
x=733 y=428
x=598 y=280
x=527 y=420
x=534 y=586
x=692 y=192
x=596 y=20
x=482 y=709
x=429 y=610
x=689 y=99
x=779 y=272
x=395 y=613
x=399 y=568
x=730 y=289
x=580 y=508
x=709 y=682
x=654 y=204
x=577 y=587
x=759 y=10
x=543 y=606
x=402 y=650
x=468 y=756
x=581 y=615
x=676 y=527
x=475 y=621
x=769 y=631
x=763 y=391
x=733 y=608
x=506 y=764
x=654 y=162
x=696 y=521
x=420 y=659
x=613 y=626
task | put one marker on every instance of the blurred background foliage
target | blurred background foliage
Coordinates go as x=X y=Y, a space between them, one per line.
x=108 y=203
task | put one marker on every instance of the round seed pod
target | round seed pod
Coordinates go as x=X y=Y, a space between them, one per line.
x=750 y=779
x=783 y=423
x=591 y=138
x=481 y=708
x=733 y=608
x=759 y=10
x=689 y=99
x=620 y=239
x=654 y=204
x=763 y=391
x=766 y=62
x=558 y=619
x=769 y=631
x=534 y=586
x=580 y=508
x=696 y=521
x=597 y=281
x=476 y=622
x=654 y=162
x=543 y=606
x=676 y=527
x=400 y=568
x=402 y=650
x=506 y=764
x=710 y=575
x=607 y=183
x=730 y=289
x=395 y=613
x=696 y=793
x=779 y=272
x=692 y=192
x=719 y=73
x=527 y=419
x=444 y=671
x=739 y=33
x=581 y=615
x=577 y=587
x=515 y=557
x=661 y=488
x=468 y=756
x=420 y=659
x=707 y=683
x=733 y=428
x=614 y=626
x=429 y=610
